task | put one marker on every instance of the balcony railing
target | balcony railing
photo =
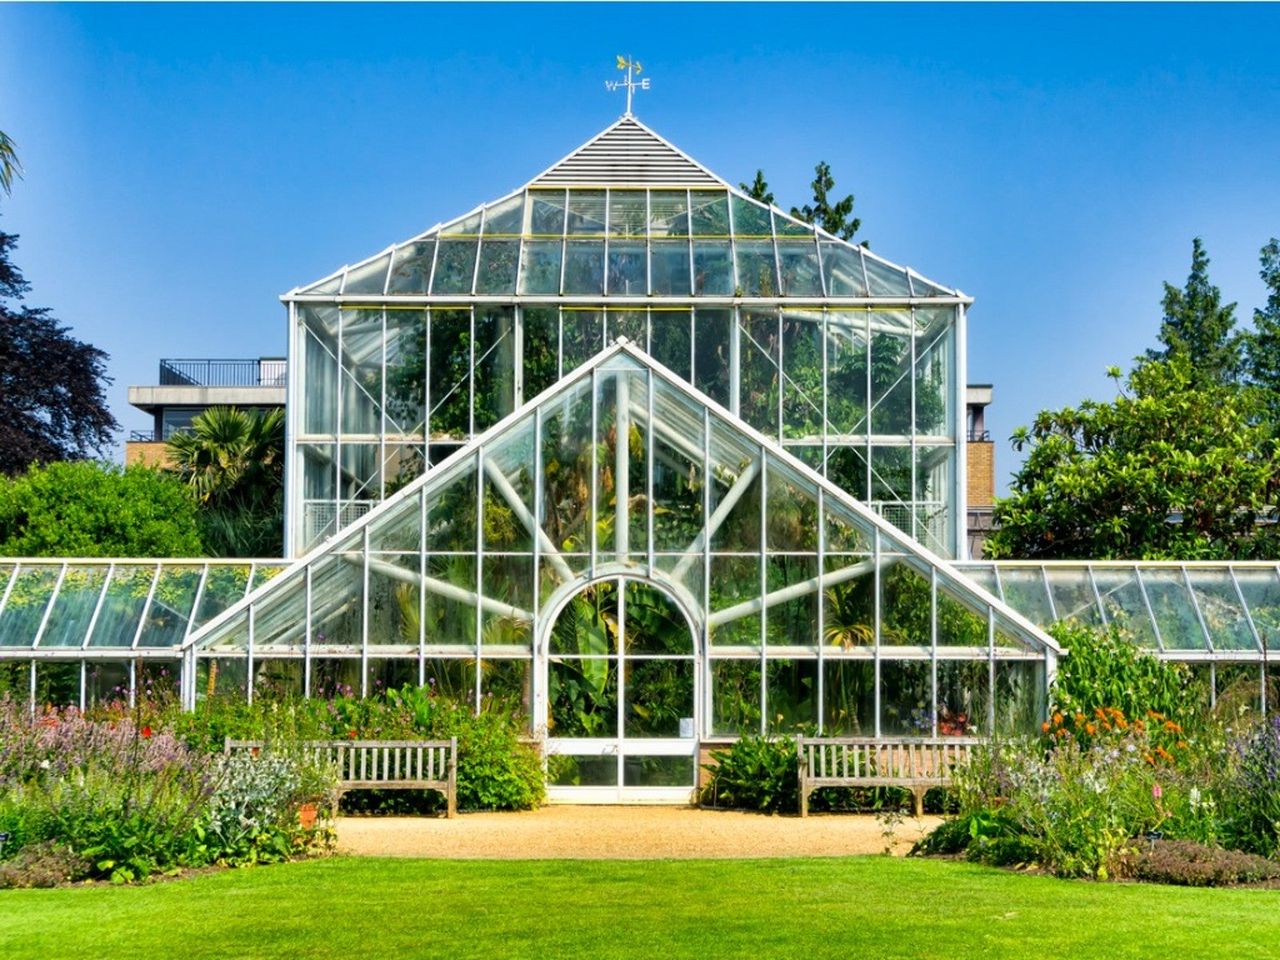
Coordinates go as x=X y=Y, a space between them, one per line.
x=979 y=436
x=222 y=373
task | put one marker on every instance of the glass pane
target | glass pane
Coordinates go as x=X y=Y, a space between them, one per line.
x=567 y=771
x=842 y=269
x=455 y=267
x=628 y=268
x=1020 y=697
x=584 y=267
x=849 y=692
x=582 y=695
x=735 y=697
x=849 y=602
x=68 y=623
x=713 y=331
x=793 y=695
x=223 y=586
x=497 y=273
x=709 y=213
x=668 y=213
x=627 y=215
x=505 y=218
x=662 y=771
x=802 y=403
x=122 y=609
x=670 y=263
x=934 y=363
x=659 y=696
x=1124 y=605
x=712 y=268
x=1025 y=591
x=495 y=365
x=411 y=269
x=757 y=269
x=546 y=217
x=1172 y=606
x=57 y=684
x=586 y=212
x=791 y=511
x=760 y=399
x=963 y=687
x=906 y=699
x=1220 y=607
x=1073 y=595
x=540 y=270
x=798 y=265
x=1261 y=589
x=541 y=349
x=670 y=341
x=368 y=278
x=166 y=621
x=106 y=683
x=847 y=376
x=886 y=280
x=906 y=607
x=449 y=374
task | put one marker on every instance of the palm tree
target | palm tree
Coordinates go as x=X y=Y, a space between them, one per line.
x=234 y=461
x=10 y=168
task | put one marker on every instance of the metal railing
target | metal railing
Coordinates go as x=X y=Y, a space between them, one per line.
x=979 y=436
x=266 y=372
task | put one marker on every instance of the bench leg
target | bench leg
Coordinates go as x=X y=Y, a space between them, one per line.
x=917 y=795
x=804 y=800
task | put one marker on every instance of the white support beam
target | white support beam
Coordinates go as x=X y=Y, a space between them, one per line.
x=793 y=592
x=509 y=494
x=443 y=589
x=731 y=498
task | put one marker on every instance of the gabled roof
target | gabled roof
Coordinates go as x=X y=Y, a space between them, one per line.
x=627 y=152
x=316 y=604
x=568 y=199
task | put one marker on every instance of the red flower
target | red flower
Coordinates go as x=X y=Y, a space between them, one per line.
x=351 y=734
x=146 y=733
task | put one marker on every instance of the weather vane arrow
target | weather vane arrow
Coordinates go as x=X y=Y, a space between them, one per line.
x=631 y=84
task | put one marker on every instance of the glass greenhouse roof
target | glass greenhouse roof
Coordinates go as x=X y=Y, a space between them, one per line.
x=87 y=607
x=1183 y=610
x=472 y=555
x=642 y=221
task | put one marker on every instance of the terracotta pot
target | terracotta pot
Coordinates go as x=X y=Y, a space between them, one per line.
x=307 y=815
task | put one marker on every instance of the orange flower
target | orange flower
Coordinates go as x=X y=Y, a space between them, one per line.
x=1090 y=729
x=1044 y=727
x=1182 y=744
x=1171 y=727
x=1057 y=718
x=1100 y=713
x=1079 y=718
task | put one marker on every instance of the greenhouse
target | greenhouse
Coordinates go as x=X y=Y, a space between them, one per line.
x=654 y=463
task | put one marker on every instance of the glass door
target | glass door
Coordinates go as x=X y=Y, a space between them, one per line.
x=621 y=693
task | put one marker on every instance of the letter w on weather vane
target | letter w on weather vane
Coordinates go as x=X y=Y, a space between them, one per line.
x=631 y=84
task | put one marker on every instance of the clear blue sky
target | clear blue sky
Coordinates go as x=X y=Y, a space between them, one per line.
x=185 y=165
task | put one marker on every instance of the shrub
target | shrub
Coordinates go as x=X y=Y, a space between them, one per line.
x=1253 y=794
x=1190 y=864
x=44 y=864
x=755 y=773
x=1104 y=671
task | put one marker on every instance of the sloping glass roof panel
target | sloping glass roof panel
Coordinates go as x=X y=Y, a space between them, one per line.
x=1124 y=604
x=1174 y=610
x=599 y=427
x=74 y=608
x=30 y=591
x=1221 y=609
x=1261 y=589
x=1026 y=591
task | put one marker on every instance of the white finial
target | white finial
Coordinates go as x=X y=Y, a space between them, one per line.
x=632 y=67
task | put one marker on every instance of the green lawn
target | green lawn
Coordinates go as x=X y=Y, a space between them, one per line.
x=857 y=907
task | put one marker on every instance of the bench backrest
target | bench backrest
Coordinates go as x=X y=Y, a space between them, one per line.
x=378 y=761
x=853 y=758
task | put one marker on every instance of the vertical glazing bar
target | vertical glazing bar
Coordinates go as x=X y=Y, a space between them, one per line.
x=517 y=321
x=426 y=389
x=422 y=594
x=293 y=410
x=306 y=640
x=84 y=669
x=537 y=665
x=915 y=447
x=364 y=611
x=821 y=602
x=706 y=567
x=595 y=468
x=648 y=472
x=620 y=717
x=475 y=267
x=479 y=614
x=735 y=360
x=991 y=671
x=876 y=549
x=764 y=589
x=956 y=426
x=1048 y=591
x=782 y=381
x=688 y=240
x=824 y=330
x=382 y=407
x=564 y=255
x=866 y=420
x=933 y=650
x=248 y=658
x=133 y=684
x=32 y=699
x=622 y=465
x=471 y=379
x=337 y=435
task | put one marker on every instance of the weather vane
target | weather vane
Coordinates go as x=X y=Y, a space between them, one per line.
x=633 y=68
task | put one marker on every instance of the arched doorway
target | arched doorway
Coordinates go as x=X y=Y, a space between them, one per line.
x=622 y=687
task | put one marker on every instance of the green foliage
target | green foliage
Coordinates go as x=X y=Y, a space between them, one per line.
x=834 y=217
x=755 y=773
x=1262 y=351
x=1198 y=328
x=1180 y=469
x=233 y=461
x=89 y=509
x=10 y=168
x=1189 y=864
x=758 y=189
x=52 y=401
x=1104 y=670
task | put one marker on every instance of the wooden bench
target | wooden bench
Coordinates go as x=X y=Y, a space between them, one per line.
x=383 y=765
x=915 y=764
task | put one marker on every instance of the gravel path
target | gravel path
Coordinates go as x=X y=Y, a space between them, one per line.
x=624 y=833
